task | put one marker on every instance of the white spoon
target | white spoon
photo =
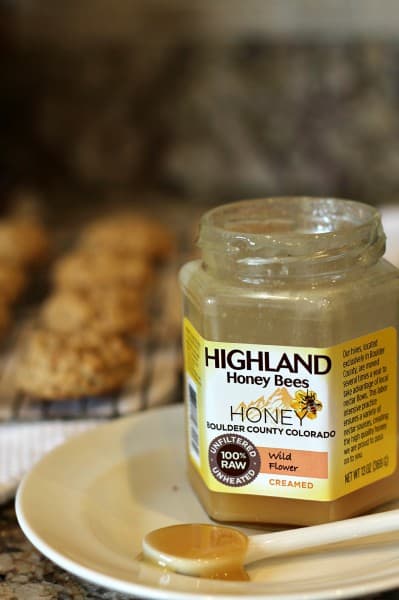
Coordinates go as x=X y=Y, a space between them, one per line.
x=222 y=552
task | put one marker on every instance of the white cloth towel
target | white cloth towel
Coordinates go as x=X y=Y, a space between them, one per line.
x=23 y=444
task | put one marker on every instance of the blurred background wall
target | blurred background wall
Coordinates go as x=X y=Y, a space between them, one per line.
x=204 y=101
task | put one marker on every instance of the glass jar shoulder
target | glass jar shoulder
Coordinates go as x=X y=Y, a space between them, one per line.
x=202 y=286
x=320 y=313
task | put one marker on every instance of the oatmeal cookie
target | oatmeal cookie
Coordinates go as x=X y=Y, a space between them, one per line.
x=129 y=234
x=109 y=310
x=56 y=366
x=83 y=269
x=23 y=241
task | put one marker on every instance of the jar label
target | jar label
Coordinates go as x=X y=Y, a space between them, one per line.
x=292 y=422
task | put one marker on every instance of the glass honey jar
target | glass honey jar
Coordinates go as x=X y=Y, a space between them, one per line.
x=290 y=359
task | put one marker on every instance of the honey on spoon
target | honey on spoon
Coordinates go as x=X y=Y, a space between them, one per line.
x=220 y=552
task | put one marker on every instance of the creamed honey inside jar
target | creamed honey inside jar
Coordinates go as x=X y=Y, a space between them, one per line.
x=290 y=346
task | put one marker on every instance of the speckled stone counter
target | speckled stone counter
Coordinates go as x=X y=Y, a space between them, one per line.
x=27 y=575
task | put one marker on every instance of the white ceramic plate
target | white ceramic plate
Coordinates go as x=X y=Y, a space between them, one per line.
x=88 y=503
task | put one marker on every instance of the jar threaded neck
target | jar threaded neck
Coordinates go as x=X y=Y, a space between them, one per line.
x=290 y=236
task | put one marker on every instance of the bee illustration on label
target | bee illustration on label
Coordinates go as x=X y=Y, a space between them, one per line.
x=306 y=404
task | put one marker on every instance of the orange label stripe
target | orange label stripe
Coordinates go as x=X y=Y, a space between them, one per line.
x=294 y=463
